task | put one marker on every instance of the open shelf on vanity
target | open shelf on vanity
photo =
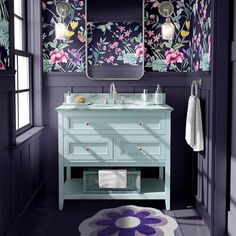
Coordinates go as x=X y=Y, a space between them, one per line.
x=151 y=188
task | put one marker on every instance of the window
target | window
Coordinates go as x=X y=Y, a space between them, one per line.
x=23 y=65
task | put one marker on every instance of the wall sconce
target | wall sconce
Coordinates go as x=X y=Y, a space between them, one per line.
x=166 y=9
x=63 y=9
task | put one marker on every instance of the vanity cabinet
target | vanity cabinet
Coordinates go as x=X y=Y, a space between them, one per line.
x=92 y=137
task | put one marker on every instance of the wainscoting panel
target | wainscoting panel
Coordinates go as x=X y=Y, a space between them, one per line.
x=20 y=168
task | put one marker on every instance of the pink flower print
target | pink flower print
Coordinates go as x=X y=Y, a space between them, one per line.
x=121 y=37
x=57 y=56
x=81 y=3
x=196 y=66
x=209 y=48
x=81 y=36
x=156 y=38
x=115 y=44
x=147 y=22
x=198 y=41
x=127 y=33
x=44 y=5
x=117 y=50
x=121 y=28
x=150 y=33
x=202 y=4
x=152 y=17
x=139 y=50
x=104 y=47
x=173 y=56
x=2 y=66
x=150 y=42
x=109 y=59
x=205 y=12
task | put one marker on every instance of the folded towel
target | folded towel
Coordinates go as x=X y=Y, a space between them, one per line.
x=112 y=178
x=194 y=131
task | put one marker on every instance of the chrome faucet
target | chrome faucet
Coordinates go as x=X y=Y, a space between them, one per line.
x=113 y=91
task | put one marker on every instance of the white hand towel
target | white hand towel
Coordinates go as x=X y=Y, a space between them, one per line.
x=190 y=121
x=194 y=130
x=112 y=178
x=198 y=135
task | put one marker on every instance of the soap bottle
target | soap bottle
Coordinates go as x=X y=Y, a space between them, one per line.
x=68 y=98
x=144 y=95
x=158 y=96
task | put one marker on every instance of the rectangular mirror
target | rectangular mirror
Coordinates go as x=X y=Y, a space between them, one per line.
x=114 y=39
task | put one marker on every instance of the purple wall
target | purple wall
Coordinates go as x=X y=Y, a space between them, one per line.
x=4 y=36
x=232 y=189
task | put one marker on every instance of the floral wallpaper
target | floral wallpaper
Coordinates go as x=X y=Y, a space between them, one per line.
x=68 y=55
x=201 y=35
x=118 y=43
x=4 y=35
x=167 y=55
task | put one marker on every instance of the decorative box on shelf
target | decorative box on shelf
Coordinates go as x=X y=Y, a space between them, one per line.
x=91 y=181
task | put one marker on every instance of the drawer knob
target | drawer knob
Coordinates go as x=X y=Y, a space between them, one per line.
x=140 y=123
x=88 y=149
x=88 y=123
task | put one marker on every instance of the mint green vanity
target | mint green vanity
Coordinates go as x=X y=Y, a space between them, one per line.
x=131 y=134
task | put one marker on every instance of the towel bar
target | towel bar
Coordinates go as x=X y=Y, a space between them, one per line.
x=199 y=82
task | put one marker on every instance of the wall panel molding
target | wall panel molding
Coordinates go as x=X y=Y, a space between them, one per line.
x=59 y=79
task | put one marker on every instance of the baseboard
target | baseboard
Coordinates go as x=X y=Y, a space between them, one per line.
x=28 y=207
x=202 y=211
x=231 y=224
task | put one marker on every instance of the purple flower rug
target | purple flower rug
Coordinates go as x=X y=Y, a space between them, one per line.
x=128 y=221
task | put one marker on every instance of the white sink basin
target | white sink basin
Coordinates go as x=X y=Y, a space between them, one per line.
x=115 y=106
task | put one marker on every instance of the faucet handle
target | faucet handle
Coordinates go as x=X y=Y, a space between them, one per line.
x=106 y=100
x=122 y=101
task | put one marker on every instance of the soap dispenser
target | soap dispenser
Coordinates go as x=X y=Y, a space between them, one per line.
x=68 y=98
x=159 y=96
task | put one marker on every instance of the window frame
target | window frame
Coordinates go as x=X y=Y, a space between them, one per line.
x=24 y=53
x=30 y=90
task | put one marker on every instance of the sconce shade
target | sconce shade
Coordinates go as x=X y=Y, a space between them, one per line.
x=166 y=9
x=63 y=9
x=60 y=30
x=168 y=30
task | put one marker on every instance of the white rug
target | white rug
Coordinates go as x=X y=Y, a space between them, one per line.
x=128 y=221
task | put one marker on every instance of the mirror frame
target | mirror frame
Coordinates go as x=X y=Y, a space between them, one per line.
x=86 y=49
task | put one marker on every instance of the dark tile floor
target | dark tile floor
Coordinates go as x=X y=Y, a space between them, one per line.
x=46 y=220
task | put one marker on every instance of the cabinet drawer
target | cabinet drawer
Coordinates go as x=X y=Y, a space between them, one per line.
x=88 y=147
x=140 y=148
x=115 y=125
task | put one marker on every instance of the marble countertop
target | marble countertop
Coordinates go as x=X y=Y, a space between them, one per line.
x=132 y=101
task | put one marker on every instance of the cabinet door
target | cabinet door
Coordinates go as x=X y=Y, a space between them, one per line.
x=88 y=148
x=140 y=148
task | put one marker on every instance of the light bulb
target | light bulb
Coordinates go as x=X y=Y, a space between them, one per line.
x=168 y=30
x=61 y=29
